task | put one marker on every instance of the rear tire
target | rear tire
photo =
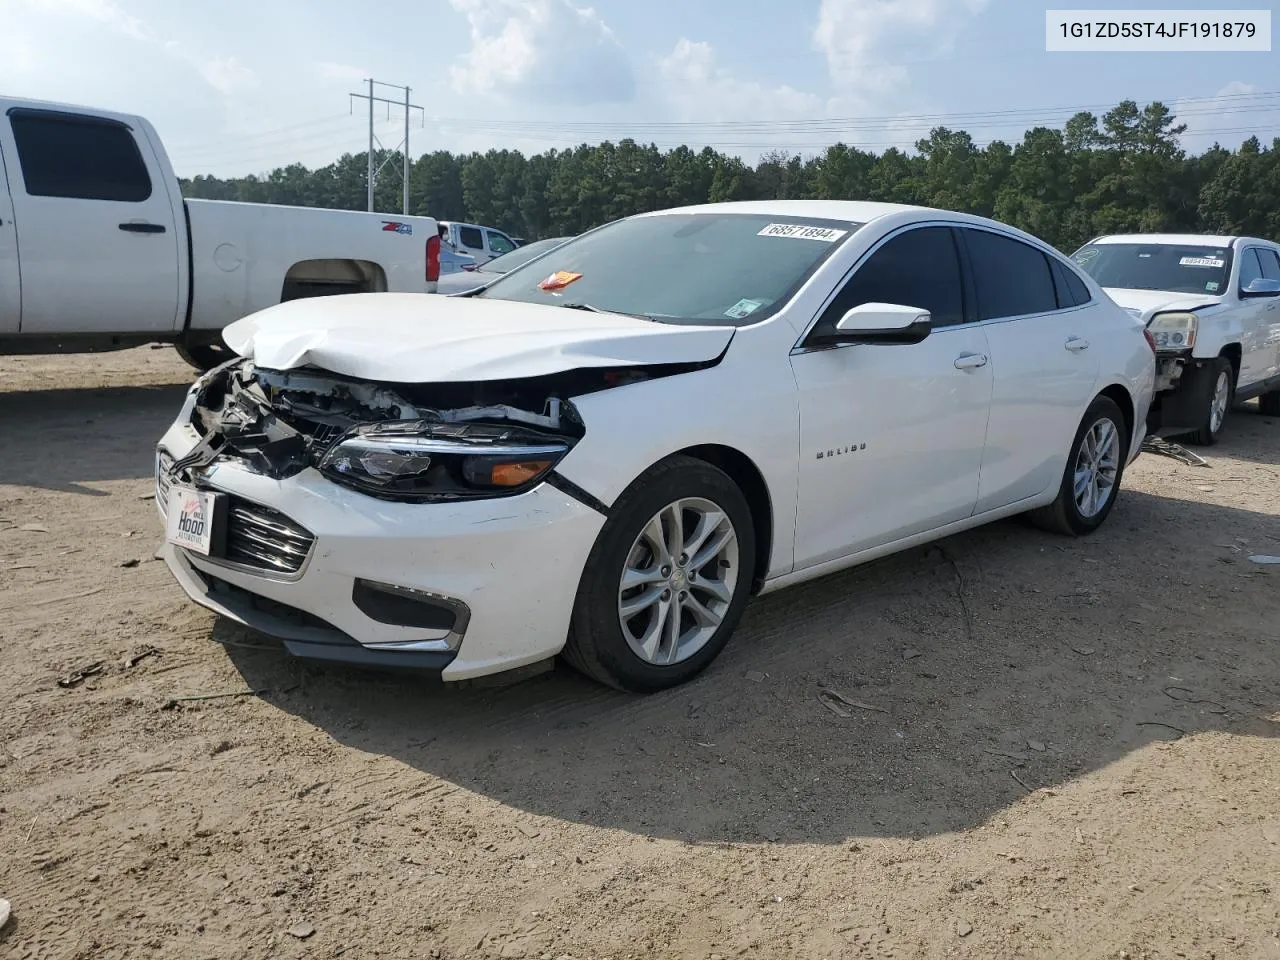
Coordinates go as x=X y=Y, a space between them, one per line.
x=1269 y=404
x=1217 y=404
x=683 y=535
x=1091 y=479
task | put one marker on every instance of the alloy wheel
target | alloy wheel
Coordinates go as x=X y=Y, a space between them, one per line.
x=1097 y=467
x=678 y=581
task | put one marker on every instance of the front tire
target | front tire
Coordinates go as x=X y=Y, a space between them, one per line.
x=667 y=579
x=1222 y=388
x=1091 y=480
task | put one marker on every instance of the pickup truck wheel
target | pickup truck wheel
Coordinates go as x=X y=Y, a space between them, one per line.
x=203 y=356
x=1221 y=395
x=1091 y=480
x=666 y=581
x=1269 y=404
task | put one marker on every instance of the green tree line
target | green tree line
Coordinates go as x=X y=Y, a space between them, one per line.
x=1122 y=172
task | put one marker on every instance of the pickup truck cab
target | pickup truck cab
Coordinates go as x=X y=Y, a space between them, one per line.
x=99 y=251
x=482 y=243
x=1212 y=307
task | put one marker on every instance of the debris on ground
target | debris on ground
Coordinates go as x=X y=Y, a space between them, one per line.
x=755 y=676
x=300 y=931
x=831 y=699
x=130 y=564
x=133 y=661
x=1176 y=451
x=34 y=528
x=911 y=653
x=173 y=702
x=1263 y=558
x=79 y=676
x=6 y=910
x=963 y=928
x=1036 y=745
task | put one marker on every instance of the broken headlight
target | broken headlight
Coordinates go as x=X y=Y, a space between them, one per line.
x=420 y=460
x=1175 y=330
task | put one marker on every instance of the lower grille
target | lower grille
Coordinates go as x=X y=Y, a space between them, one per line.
x=265 y=539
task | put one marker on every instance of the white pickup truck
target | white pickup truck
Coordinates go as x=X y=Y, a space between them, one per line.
x=1212 y=307
x=99 y=251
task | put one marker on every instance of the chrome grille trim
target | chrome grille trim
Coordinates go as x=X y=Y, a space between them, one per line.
x=163 y=462
x=263 y=540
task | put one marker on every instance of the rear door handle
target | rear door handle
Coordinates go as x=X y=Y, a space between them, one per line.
x=1076 y=344
x=971 y=361
x=142 y=227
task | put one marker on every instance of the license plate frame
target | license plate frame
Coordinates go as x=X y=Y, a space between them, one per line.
x=196 y=520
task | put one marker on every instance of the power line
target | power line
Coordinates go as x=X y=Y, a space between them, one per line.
x=852 y=131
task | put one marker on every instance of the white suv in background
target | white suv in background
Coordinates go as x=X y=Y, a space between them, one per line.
x=1212 y=305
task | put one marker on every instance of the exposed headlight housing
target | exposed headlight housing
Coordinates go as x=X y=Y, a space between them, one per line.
x=1175 y=330
x=418 y=460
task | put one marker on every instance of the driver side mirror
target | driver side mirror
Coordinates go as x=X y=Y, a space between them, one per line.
x=1261 y=287
x=881 y=323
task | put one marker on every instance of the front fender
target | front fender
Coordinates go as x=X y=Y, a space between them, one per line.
x=747 y=402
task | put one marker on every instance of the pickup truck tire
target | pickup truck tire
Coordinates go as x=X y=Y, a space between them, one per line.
x=1091 y=479
x=203 y=356
x=1269 y=404
x=1217 y=394
x=678 y=548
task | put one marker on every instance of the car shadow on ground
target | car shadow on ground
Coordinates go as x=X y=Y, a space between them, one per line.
x=972 y=672
x=70 y=437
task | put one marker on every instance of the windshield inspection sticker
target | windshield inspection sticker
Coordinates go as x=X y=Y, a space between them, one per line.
x=1201 y=262
x=743 y=308
x=559 y=280
x=1211 y=286
x=798 y=231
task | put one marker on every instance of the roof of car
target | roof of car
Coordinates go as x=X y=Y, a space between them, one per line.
x=853 y=211
x=1172 y=239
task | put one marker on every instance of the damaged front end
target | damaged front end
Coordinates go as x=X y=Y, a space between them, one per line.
x=404 y=442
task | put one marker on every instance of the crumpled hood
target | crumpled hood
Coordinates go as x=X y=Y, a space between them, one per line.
x=1144 y=303
x=425 y=338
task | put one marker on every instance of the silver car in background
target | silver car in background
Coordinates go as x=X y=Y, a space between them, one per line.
x=468 y=280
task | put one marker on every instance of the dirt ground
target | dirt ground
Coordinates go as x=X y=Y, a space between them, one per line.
x=1067 y=749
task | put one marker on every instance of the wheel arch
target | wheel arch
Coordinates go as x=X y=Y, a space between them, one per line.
x=1124 y=400
x=750 y=480
x=1235 y=354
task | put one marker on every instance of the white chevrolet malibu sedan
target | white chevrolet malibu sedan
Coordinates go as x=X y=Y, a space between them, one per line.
x=605 y=453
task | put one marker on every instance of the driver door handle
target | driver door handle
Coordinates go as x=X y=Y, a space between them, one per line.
x=971 y=361
x=1076 y=344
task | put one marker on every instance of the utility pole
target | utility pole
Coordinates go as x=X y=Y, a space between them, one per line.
x=373 y=98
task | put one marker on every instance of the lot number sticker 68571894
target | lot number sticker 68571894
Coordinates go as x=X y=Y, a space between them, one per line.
x=798 y=231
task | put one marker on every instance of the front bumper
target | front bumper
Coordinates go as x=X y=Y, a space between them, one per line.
x=1183 y=389
x=508 y=568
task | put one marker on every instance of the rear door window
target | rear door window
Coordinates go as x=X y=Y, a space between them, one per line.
x=471 y=237
x=1012 y=278
x=79 y=158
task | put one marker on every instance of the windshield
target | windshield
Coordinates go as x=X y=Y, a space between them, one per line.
x=521 y=255
x=1157 y=266
x=725 y=269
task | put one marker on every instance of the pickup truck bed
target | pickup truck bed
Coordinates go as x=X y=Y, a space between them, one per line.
x=99 y=251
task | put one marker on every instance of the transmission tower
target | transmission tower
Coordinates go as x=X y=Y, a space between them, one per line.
x=403 y=147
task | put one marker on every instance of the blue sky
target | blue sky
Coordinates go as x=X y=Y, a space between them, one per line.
x=240 y=86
